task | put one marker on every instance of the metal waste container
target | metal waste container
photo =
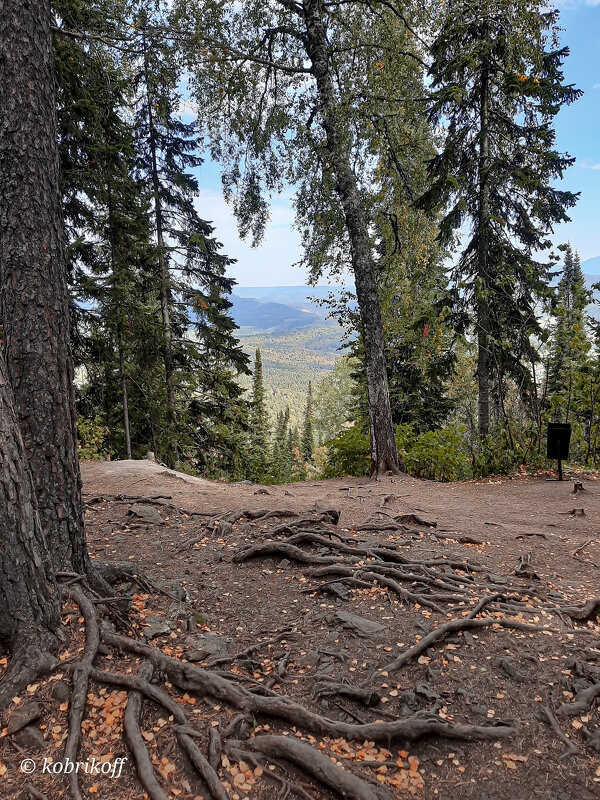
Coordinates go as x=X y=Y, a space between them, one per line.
x=557 y=445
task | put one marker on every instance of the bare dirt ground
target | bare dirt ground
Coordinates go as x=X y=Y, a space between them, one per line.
x=434 y=641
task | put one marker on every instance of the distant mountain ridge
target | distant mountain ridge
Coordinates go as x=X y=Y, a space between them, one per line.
x=280 y=309
x=298 y=296
x=253 y=314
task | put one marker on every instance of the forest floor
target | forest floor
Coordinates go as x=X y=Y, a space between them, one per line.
x=435 y=641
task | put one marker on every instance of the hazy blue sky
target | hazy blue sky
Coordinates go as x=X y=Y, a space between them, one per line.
x=578 y=129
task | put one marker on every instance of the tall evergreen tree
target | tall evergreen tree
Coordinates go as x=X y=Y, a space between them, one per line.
x=154 y=332
x=107 y=221
x=570 y=345
x=307 y=427
x=259 y=456
x=497 y=86
x=294 y=456
x=218 y=412
x=190 y=269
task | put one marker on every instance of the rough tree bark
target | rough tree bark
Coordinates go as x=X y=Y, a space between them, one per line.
x=33 y=276
x=384 y=455
x=29 y=607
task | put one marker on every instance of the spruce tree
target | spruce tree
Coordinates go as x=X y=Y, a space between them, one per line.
x=259 y=424
x=219 y=413
x=154 y=334
x=107 y=225
x=570 y=346
x=190 y=269
x=307 y=428
x=497 y=85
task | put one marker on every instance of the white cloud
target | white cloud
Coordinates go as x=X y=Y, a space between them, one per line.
x=269 y=264
x=596 y=166
x=596 y=86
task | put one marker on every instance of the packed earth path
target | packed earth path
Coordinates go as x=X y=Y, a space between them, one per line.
x=339 y=638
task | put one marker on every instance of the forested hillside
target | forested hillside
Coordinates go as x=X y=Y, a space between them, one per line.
x=290 y=362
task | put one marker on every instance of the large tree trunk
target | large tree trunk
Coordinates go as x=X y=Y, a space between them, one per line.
x=483 y=300
x=384 y=455
x=33 y=276
x=29 y=608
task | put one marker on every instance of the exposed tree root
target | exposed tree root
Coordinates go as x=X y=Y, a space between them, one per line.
x=366 y=697
x=452 y=627
x=115 y=572
x=135 y=741
x=414 y=520
x=155 y=500
x=283 y=549
x=32 y=793
x=572 y=749
x=457 y=537
x=31 y=659
x=594 y=741
x=201 y=764
x=191 y=678
x=80 y=680
x=583 y=701
x=316 y=764
x=582 y=612
x=203 y=767
x=258 y=515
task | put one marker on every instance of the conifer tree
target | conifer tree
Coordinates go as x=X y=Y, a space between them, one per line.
x=190 y=269
x=590 y=405
x=570 y=345
x=107 y=224
x=307 y=428
x=218 y=412
x=259 y=423
x=497 y=85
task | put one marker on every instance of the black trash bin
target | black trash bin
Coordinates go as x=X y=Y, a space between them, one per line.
x=557 y=445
